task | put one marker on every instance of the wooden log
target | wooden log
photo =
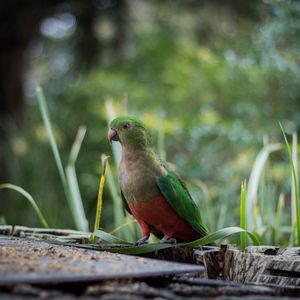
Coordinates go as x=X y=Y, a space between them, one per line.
x=6 y=229
x=290 y=251
x=261 y=265
x=265 y=250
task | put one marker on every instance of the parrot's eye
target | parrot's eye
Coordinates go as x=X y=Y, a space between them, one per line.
x=126 y=126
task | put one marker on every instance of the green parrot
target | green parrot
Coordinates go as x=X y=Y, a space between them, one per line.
x=151 y=191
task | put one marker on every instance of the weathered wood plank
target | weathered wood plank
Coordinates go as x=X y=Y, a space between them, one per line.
x=6 y=229
x=62 y=235
x=27 y=261
x=261 y=265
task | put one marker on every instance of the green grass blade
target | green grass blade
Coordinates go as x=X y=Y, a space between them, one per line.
x=126 y=248
x=296 y=187
x=221 y=217
x=221 y=234
x=128 y=223
x=77 y=145
x=46 y=118
x=243 y=215
x=109 y=238
x=148 y=248
x=136 y=250
x=29 y=198
x=254 y=179
x=295 y=160
x=142 y=249
x=80 y=219
x=279 y=213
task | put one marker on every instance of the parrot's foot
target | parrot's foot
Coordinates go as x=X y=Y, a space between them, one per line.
x=142 y=240
x=168 y=240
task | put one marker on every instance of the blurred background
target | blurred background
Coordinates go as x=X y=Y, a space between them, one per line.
x=211 y=78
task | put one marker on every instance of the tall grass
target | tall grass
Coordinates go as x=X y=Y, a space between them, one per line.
x=243 y=215
x=295 y=186
x=80 y=219
x=146 y=248
x=258 y=208
x=70 y=187
x=30 y=200
x=253 y=184
x=279 y=215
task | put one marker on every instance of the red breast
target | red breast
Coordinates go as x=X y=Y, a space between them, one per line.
x=158 y=214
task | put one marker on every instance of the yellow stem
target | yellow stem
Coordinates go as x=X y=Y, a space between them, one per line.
x=100 y=193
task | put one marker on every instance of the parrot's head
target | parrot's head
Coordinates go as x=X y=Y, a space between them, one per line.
x=130 y=132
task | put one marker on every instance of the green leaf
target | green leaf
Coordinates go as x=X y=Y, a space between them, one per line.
x=47 y=122
x=295 y=183
x=243 y=215
x=69 y=180
x=141 y=249
x=221 y=234
x=109 y=238
x=254 y=180
x=148 y=248
x=80 y=219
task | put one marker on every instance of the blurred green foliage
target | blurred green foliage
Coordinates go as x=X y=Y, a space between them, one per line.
x=213 y=80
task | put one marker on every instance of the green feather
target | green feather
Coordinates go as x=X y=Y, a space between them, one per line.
x=125 y=204
x=119 y=121
x=132 y=132
x=177 y=195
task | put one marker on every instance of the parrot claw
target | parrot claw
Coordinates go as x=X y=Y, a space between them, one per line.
x=142 y=240
x=168 y=240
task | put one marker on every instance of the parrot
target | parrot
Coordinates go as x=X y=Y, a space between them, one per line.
x=151 y=189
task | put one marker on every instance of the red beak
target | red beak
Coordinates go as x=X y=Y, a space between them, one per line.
x=112 y=135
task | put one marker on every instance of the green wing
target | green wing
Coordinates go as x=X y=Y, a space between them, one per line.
x=177 y=195
x=125 y=204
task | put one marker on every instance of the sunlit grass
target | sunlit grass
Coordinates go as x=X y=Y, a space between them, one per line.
x=253 y=184
x=128 y=223
x=295 y=185
x=80 y=220
x=152 y=247
x=46 y=118
x=70 y=186
x=278 y=221
x=100 y=197
x=243 y=215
